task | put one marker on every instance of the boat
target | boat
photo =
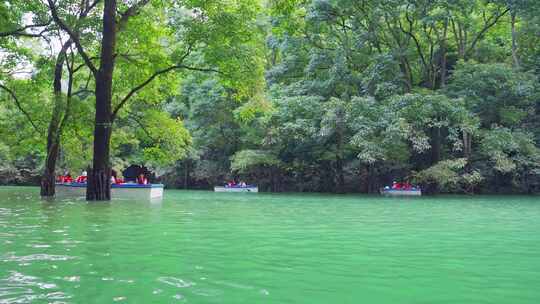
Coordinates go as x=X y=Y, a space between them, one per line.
x=248 y=188
x=118 y=191
x=401 y=192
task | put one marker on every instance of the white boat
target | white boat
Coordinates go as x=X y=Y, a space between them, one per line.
x=121 y=191
x=253 y=189
x=399 y=192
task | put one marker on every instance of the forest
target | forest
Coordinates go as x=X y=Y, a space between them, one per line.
x=292 y=95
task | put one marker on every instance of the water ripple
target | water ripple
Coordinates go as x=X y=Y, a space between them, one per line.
x=176 y=282
x=11 y=257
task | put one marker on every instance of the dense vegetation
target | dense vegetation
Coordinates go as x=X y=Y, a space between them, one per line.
x=294 y=95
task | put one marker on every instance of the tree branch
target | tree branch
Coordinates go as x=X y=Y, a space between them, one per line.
x=142 y=126
x=130 y=12
x=22 y=30
x=19 y=106
x=141 y=86
x=488 y=23
x=73 y=35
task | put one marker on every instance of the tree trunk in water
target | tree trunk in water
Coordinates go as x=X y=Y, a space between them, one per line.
x=53 y=145
x=49 y=175
x=99 y=177
x=53 y=134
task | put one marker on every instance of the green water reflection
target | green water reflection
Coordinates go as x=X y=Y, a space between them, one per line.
x=203 y=247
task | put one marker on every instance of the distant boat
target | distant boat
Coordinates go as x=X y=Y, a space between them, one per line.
x=122 y=191
x=248 y=188
x=401 y=192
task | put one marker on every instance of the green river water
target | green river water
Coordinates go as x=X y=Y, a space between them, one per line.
x=204 y=247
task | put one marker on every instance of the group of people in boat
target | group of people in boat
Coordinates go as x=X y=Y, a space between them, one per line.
x=234 y=184
x=404 y=186
x=141 y=178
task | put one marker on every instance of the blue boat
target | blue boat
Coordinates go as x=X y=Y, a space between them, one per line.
x=246 y=188
x=387 y=191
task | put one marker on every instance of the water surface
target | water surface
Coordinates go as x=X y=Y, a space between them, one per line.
x=204 y=247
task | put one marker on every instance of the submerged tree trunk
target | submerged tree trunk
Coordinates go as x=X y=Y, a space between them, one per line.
x=99 y=177
x=54 y=132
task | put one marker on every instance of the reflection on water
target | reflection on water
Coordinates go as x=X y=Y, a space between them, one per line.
x=203 y=247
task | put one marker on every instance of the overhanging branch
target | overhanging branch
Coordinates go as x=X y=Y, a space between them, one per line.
x=19 y=106
x=73 y=35
x=141 y=86
x=22 y=30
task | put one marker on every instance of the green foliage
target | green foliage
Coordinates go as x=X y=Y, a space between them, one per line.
x=495 y=92
x=511 y=152
x=445 y=174
x=243 y=161
x=450 y=176
x=167 y=139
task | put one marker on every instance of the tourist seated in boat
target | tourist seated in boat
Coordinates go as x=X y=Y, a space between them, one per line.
x=115 y=179
x=131 y=174
x=405 y=186
x=243 y=184
x=82 y=178
x=397 y=186
x=231 y=184
x=66 y=178
x=142 y=180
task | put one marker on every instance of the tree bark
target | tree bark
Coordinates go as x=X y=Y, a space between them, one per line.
x=54 y=132
x=99 y=177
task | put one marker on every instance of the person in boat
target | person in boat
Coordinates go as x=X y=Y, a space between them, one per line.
x=114 y=178
x=231 y=184
x=82 y=178
x=142 y=180
x=66 y=178
x=407 y=186
x=243 y=184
